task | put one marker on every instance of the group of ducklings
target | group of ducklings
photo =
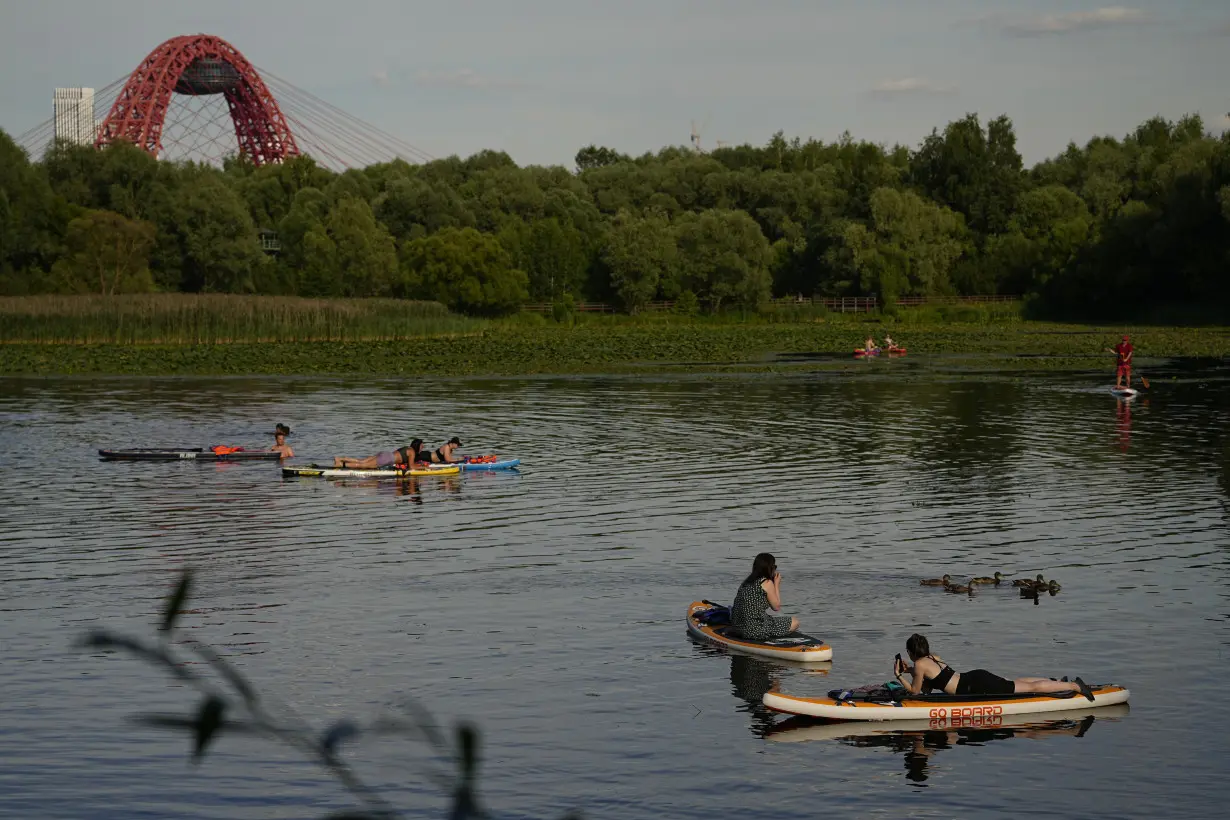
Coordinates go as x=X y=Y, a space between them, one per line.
x=1030 y=587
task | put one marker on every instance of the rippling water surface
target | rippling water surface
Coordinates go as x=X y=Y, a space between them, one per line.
x=546 y=605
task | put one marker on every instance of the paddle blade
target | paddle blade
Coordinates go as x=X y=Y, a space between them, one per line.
x=1145 y=382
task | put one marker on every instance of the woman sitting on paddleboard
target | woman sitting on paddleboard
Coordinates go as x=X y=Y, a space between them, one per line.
x=386 y=459
x=758 y=592
x=443 y=455
x=279 y=442
x=931 y=673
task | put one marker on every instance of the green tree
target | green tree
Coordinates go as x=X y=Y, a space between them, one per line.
x=724 y=258
x=108 y=254
x=593 y=156
x=416 y=207
x=908 y=247
x=974 y=172
x=207 y=240
x=465 y=270
x=639 y=255
x=364 y=252
x=32 y=220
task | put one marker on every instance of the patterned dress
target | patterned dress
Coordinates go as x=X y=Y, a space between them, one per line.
x=748 y=616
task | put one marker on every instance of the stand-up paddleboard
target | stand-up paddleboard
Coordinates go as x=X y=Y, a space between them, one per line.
x=313 y=471
x=794 y=647
x=1123 y=392
x=496 y=464
x=185 y=454
x=799 y=729
x=844 y=706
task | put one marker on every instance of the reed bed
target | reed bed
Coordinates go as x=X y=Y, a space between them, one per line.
x=182 y=318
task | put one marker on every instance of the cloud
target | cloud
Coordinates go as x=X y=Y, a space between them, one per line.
x=381 y=77
x=908 y=85
x=463 y=78
x=1106 y=17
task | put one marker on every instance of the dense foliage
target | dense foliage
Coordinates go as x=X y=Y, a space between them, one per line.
x=1117 y=228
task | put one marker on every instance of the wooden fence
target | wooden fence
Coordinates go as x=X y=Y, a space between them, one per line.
x=837 y=304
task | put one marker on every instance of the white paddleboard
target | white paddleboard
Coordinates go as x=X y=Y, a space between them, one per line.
x=928 y=707
x=1124 y=392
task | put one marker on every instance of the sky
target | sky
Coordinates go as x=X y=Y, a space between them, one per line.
x=539 y=79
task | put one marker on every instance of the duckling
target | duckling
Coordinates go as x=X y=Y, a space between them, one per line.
x=958 y=588
x=1027 y=582
x=1053 y=587
x=936 y=582
x=985 y=580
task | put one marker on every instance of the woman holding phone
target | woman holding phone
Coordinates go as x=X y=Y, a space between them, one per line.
x=759 y=592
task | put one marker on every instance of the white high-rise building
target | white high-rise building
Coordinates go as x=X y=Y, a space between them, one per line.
x=75 y=115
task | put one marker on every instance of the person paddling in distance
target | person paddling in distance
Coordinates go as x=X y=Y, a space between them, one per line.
x=386 y=459
x=1123 y=363
x=443 y=455
x=930 y=672
x=760 y=591
x=889 y=344
x=869 y=345
x=279 y=442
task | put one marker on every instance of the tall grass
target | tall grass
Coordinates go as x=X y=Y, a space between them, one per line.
x=181 y=318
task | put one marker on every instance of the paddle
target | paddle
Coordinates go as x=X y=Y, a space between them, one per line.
x=1144 y=381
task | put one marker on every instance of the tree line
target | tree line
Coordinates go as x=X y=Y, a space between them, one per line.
x=1115 y=228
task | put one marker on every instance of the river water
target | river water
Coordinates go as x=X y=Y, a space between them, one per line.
x=546 y=606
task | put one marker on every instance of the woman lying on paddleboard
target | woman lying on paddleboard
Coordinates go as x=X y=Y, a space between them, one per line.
x=443 y=455
x=279 y=442
x=403 y=455
x=758 y=592
x=931 y=673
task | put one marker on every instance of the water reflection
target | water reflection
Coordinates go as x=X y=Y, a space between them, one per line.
x=751 y=677
x=919 y=741
x=1123 y=411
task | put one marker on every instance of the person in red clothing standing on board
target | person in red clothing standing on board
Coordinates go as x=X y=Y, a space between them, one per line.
x=1123 y=363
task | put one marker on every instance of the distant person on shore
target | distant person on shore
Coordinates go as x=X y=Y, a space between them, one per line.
x=443 y=455
x=385 y=459
x=279 y=441
x=931 y=673
x=759 y=592
x=1123 y=363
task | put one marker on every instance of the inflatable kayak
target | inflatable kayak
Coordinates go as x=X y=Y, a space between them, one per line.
x=190 y=454
x=314 y=471
x=802 y=729
x=705 y=621
x=841 y=705
x=492 y=464
x=859 y=351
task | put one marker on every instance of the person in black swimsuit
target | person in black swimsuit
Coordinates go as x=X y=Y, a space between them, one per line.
x=406 y=456
x=443 y=455
x=931 y=673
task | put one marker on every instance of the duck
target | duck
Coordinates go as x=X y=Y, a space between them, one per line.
x=936 y=582
x=999 y=576
x=1052 y=587
x=958 y=588
x=1030 y=592
x=1028 y=582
